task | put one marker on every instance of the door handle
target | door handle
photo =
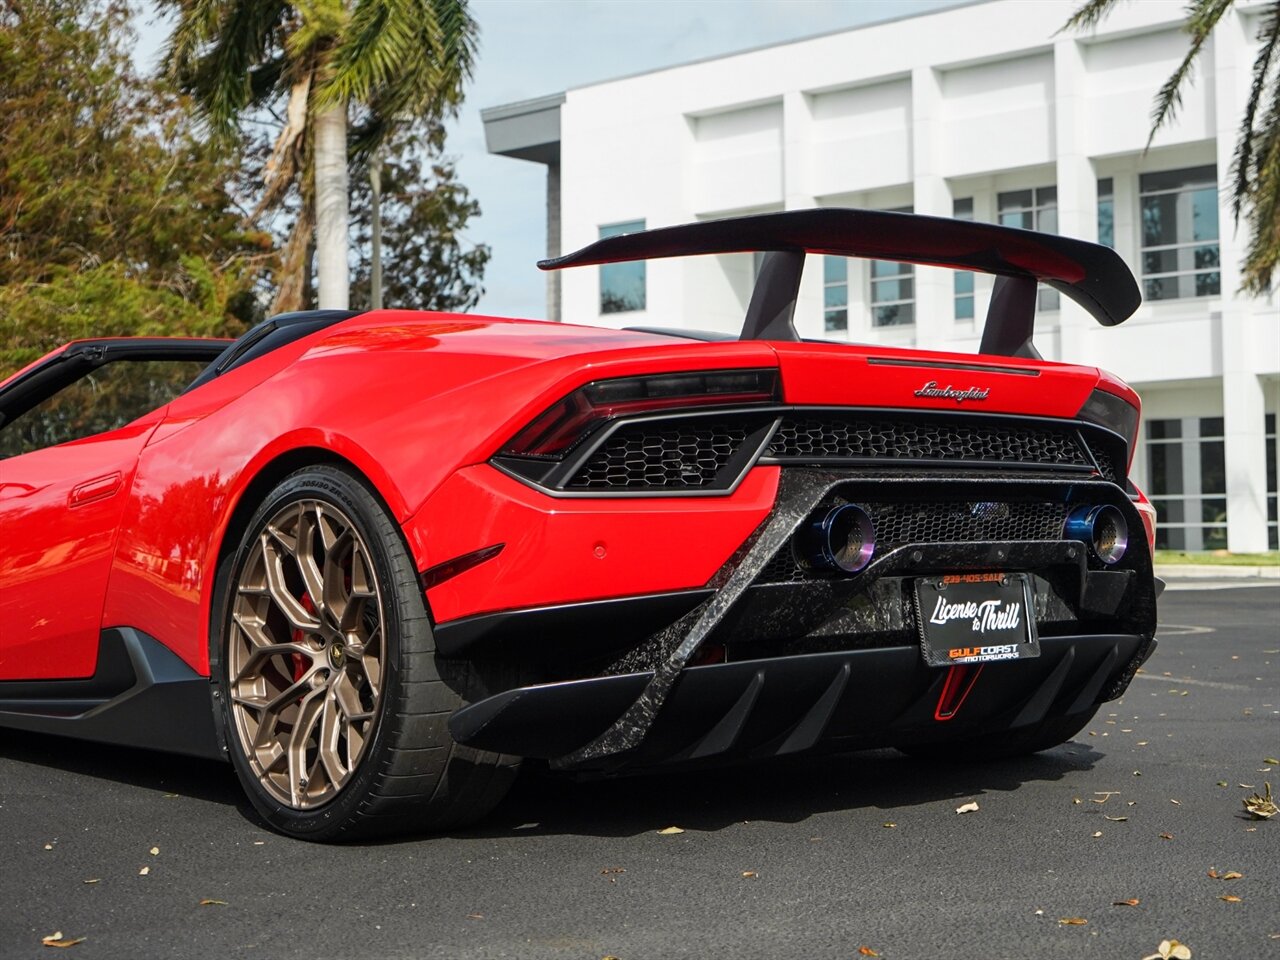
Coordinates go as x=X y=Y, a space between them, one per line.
x=99 y=488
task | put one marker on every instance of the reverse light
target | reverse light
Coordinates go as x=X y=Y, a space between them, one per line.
x=1102 y=527
x=842 y=540
x=569 y=421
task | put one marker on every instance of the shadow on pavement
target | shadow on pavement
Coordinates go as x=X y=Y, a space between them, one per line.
x=785 y=791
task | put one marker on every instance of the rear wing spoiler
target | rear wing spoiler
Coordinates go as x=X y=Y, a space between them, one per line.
x=1093 y=276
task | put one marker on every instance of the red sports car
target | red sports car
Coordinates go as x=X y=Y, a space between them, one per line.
x=376 y=560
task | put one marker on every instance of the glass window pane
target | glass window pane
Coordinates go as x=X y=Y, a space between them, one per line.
x=622 y=285
x=1164 y=462
x=1164 y=429
x=1213 y=511
x=1169 y=511
x=1106 y=187
x=1046 y=195
x=1107 y=222
x=1212 y=427
x=1014 y=199
x=1271 y=465
x=836 y=295
x=963 y=282
x=964 y=308
x=893 y=315
x=835 y=269
x=1204 y=214
x=887 y=268
x=1047 y=221
x=1159 y=220
x=836 y=320
x=1215 y=538
x=1048 y=300
x=962 y=209
x=1177 y=179
x=1213 y=467
x=1208 y=285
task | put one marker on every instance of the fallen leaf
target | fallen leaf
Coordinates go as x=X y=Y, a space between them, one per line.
x=57 y=940
x=94 y=880
x=144 y=871
x=1097 y=833
x=1232 y=875
x=669 y=831
x=1116 y=819
x=1073 y=921
x=1137 y=773
x=1176 y=803
x=155 y=851
x=608 y=870
x=749 y=875
x=970 y=807
x=1230 y=898
x=1246 y=786
x=48 y=846
x=1213 y=873
x=170 y=796
x=1166 y=836
x=1261 y=807
x=1271 y=760
x=867 y=952
x=1076 y=800
x=213 y=903
x=1039 y=913
x=1131 y=902
x=1222 y=783
x=888 y=825
x=475 y=916
x=1143 y=743
x=1170 y=950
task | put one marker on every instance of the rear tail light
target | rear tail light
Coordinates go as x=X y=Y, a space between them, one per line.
x=570 y=421
x=1115 y=414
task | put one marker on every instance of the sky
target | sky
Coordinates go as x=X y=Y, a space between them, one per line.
x=530 y=48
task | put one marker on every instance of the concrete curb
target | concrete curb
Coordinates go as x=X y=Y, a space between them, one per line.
x=1205 y=571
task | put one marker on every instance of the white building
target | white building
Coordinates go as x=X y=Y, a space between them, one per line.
x=983 y=111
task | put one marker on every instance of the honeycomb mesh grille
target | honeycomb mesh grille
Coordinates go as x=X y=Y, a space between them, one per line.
x=939 y=522
x=904 y=438
x=675 y=455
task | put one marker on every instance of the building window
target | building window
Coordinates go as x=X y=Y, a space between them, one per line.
x=1187 y=480
x=835 y=294
x=622 y=284
x=963 y=210
x=1035 y=209
x=1106 y=213
x=1179 y=211
x=1273 y=528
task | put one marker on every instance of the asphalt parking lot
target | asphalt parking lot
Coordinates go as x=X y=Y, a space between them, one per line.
x=146 y=855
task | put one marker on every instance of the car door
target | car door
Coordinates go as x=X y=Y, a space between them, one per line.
x=73 y=429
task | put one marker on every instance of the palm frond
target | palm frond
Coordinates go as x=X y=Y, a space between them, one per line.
x=1202 y=17
x=403 y=59
x=1089 y=15
x=1263 y=203
x=1241 y=162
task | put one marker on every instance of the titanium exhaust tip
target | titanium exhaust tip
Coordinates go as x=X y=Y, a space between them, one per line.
x=1102 y=527
x=842 y=540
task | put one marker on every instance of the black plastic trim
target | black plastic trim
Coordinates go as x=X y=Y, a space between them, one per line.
x=572 y=630
x=141 y=694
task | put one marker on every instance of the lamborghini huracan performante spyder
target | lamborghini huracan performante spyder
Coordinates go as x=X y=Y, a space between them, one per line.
x=376 y=560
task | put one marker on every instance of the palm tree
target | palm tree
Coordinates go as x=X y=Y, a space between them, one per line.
x=347 y=72
x=1255 y=167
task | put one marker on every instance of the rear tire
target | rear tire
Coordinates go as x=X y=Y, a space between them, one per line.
x=1044 y=735
x=331 y=698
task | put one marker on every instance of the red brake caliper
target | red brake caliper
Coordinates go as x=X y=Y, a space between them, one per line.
x=299 y=661
x=960 y=680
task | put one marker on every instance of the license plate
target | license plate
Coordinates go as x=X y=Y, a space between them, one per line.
x=975 y=618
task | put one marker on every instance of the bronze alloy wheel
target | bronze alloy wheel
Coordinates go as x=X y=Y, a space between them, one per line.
x=305 y=653
x=333 y=704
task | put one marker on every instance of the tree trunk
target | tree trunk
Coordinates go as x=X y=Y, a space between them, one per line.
x=331 y=207
x=375 y=243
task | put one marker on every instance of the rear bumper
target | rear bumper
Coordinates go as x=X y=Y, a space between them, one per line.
x=850 y=699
